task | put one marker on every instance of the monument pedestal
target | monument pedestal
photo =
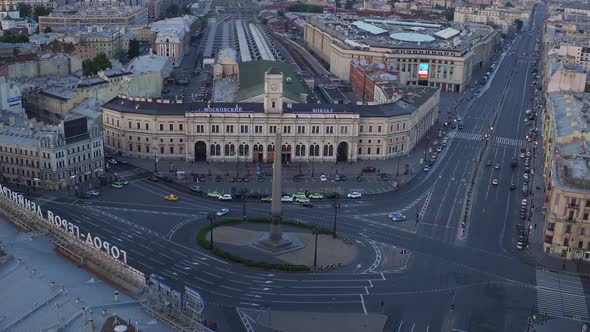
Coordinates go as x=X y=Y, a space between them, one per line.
x=289 y=242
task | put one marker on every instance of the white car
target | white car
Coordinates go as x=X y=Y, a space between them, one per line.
x=525 y=176
x=522 y=155
x=112 y=161
x=439 y=149
x=495 y=182
x=93 y=193
x=323 y=178
x=354 y=194
x=287 y=199
x=396 y=216
x=524 y=202
x=222 y=212
x=225 y=197
x=520 y=245
x=124 y=181
x=426 y=168
x=458 y=118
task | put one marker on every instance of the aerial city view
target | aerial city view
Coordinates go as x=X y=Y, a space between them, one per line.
x=295 y=166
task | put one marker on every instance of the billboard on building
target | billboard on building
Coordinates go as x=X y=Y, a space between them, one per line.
x=423 y=70
x=75 y=127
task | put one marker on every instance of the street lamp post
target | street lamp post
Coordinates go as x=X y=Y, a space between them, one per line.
x=398 y=156
x=315 y=250
x=336 y=207
x=211 y=217
x=244 y=192
x=313 y=164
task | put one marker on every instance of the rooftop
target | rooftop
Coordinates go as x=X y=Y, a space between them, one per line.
x=96 y=9
x=252 y=79
x=399 y=34
x=571 y=132
x=414 y=97
x=148 y=63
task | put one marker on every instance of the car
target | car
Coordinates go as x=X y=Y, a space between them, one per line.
x=439 y=149
x=84 y=195
x=196 y=189
x=343 y=178
x=332 y=195
x=267 y=199
x=297 y=178
x=337 y=177
x=512 y=186
x=426 y=168
x=458 y=118
x=117 y=185
x=225 y=197
x=524 y=202
x=369 y=169
x=522 y=155
x=359 y=179
x=495 y=182
x=222 y=212
x=354 y=194
x=171 y=197
x=316 y=196
x=112 y=161
x=164 y=178
x=153 y=178
x=396 y=216
x=299 y=194
x=302 y=200
x=286 y=199
x=232 y=179
x=122 y=161
x=443 y=143
x=497 y=166
x=260 y=179
x=93 y=193
x=124 y=181
x=323 y=178
x=384 y=177
x=214 y=194
x=489 y=163
x=525 y=176
x=218 y=178
x=239 y=179
x=520 y=245
x=245 y=179
x=307 y=204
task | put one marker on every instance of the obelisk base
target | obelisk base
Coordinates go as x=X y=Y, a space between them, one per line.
x=288 y=242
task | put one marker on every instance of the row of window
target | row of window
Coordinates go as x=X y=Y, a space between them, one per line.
x=18 y=161
x=19 y=171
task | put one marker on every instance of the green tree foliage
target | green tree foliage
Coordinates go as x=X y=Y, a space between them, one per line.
x=306 y=8
x=100 y=62
x=349 y=4
x=41 y=11
x=450 y=14
x=24 y=9
x=48 y=30
x=519 y=24
x=133 y=48
x=509 y=4
x=14 y=39
x=173 y=10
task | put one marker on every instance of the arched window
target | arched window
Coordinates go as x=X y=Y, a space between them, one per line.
x=226 y=150
x=331 y=150
x=218 y=150
x=246 y=150
x=241 y=150
x=270 y=148
x=378 y=150
x=368 y=150
x=232 y=149
x=325 y=150
x=297 y=150
x=303 y=150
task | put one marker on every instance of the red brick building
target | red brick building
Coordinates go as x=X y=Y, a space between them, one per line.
x=364 y=76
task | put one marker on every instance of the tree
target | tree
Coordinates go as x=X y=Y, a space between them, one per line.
x=100 y=62
x=450 y=14
x=48 y=30
x=519 y=24
x=338 y=4
x=24 y=9
x=509 y=4
x=349 y=4
x=172 y=10
x=14 y=39
x=133 y=48
x=41 y=11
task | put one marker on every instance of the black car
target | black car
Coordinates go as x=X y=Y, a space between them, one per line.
x=166 y=178
x=153 y=178
x=297 y=178
x=218 y=178
x=489 y=163
x=343 y=178
x=369 y=169
x=512 y=186
x=238 y=179
x=384 y=177
x=84 y=195
x=332 y=195
x=358 y=179
x=202 y=179
x=307 y=204
x=260 y=179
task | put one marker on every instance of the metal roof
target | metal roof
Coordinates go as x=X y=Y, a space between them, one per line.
x=372 y=29
x=447 y=33
x=404 y=23
x=412 y=37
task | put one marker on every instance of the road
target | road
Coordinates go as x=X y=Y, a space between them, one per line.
x=491 y=285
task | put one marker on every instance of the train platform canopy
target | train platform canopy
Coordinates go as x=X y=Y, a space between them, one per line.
x=252 y=82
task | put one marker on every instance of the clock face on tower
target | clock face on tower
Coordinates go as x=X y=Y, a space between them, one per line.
x=273 y=87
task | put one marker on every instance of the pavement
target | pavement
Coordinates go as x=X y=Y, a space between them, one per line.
x=480 y=282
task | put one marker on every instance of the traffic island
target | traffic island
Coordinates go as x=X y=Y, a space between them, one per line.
x=233 y=239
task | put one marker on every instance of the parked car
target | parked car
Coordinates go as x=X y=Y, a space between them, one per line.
x=286 y=199
x=267 y=199
x=225 y=197
x=93 y=193
x=214 y=194
x=369 y=169
x=316 y=196
x=153 y=178
x=196 y=189
x=117 y=185
x=323 y=178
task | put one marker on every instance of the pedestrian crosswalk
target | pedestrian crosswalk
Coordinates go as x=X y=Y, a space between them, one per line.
x=561 y=295
x=509 y=141
x=466 y=135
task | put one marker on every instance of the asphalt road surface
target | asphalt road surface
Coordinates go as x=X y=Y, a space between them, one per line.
x=492 y=285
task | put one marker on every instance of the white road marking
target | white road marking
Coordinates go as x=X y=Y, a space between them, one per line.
x=363 y=303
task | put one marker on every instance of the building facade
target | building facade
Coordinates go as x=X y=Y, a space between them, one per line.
x=107 y=41
x=443 y=62
x=219 y=132
x=567 y=176
x=94 y=13
x=32 y=155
